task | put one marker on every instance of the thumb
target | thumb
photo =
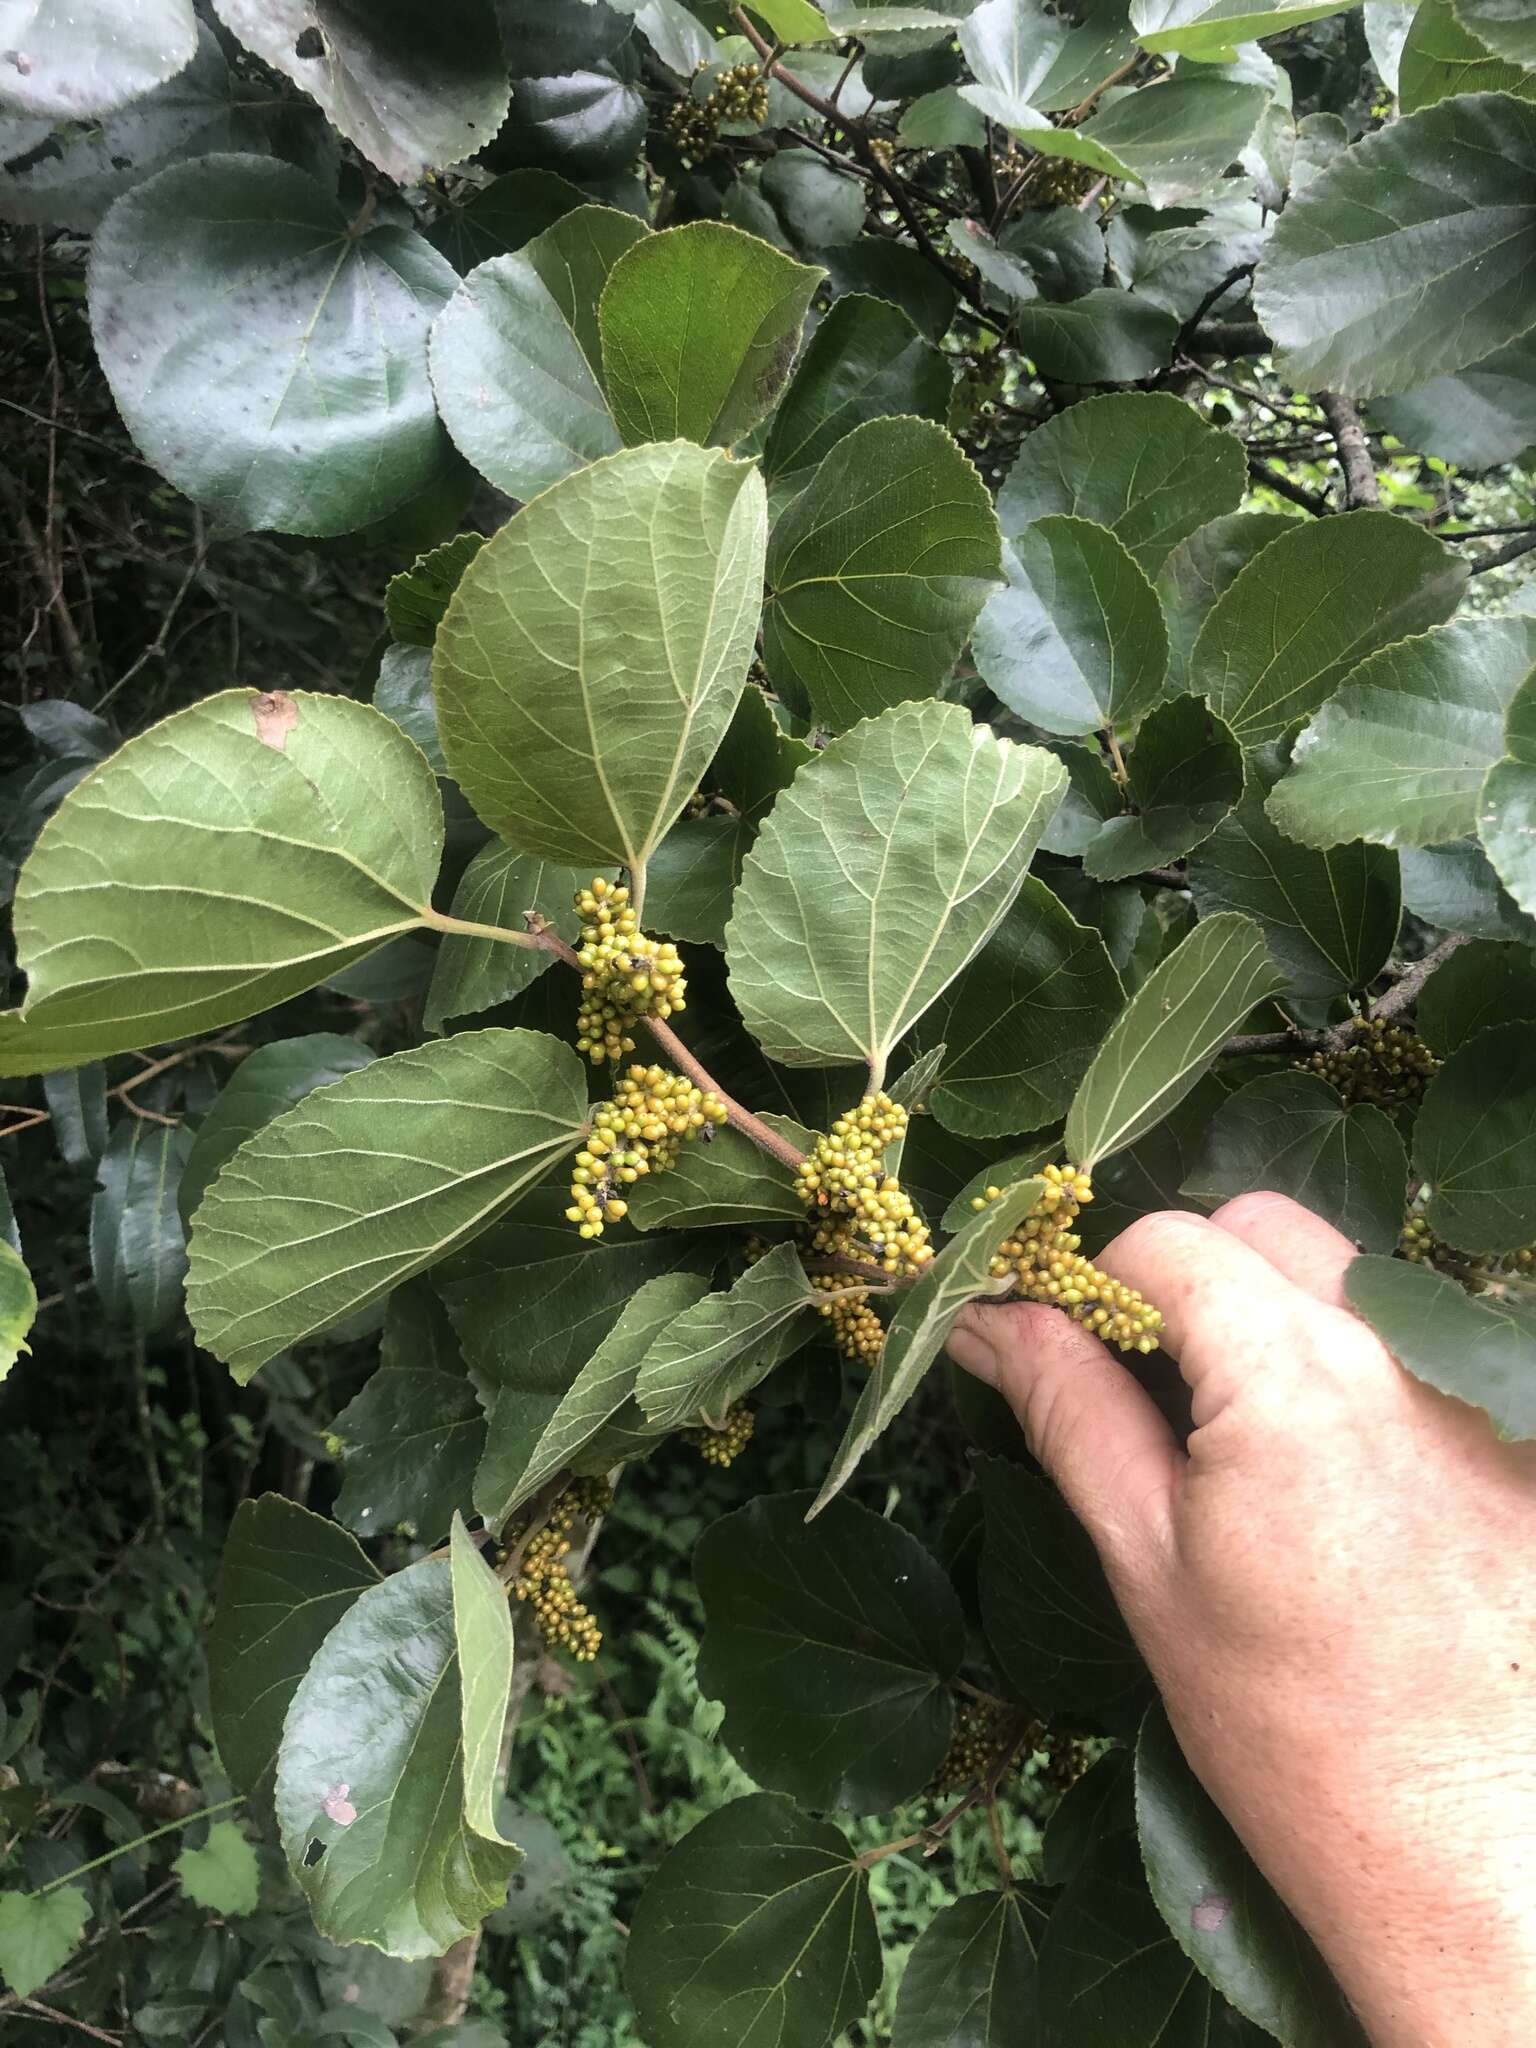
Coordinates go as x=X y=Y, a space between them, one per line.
x=1096 y=1432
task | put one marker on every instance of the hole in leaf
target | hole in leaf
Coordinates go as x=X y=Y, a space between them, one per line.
x=313 y=1853
x=310 y=44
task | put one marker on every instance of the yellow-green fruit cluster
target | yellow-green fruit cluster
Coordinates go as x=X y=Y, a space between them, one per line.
x=723 y=1446
x=739 y=94
x=857 y=1331
x=653 y=1114
x=984 y=1732
x=1476 y=1271
x=1043 y=1258
x=1060 y=183
x=1383 y=1063
x=624 y=975
x=845 y=1176
x=543 y=1581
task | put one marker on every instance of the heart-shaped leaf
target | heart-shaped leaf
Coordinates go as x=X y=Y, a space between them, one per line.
x=972 y=1972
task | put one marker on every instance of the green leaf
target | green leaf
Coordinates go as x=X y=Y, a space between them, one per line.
x=138 y=1242
x=923 y=1320
x=1440 y=59
x=1110 y=1974
x=1481 y=984
x=379 y=1803
x=865 y=361
x=1290 y=1132
x=943 y=120
x=1220 y=1910
x=18 y=1306
x=605 y=1385
x=1211 y=29
x=77 y=1103
x=403 y=694
x=1167 y=1035
x=728 y=1181
x=1482 y=416
x=1480 y=1349
x=1010 y=47
x=596 y=648
x=1093 y=797
x=793 y=21
x=898 y=272
x=515 y=354
x=832 y=1649
x=719 y=1349
x=1104 y=337
x=929 y=823
x=1075 y=641
x=496 y=219
x=1409 y=256
x=1150 y=1174
x=1185 y=773
x=1456 y=888
x=38 y=1934
x=415 y=600
x=1019 y=1024
x=700 y=326
x=692 y=876
x=757 y=1930
x=876 y=571
x=482 y=1633
x=412 y=93
x=1199 y=570
x=92 y=58
x=149 y=860
x=411 y=1440
x=1143 y=464
x=1099 y=1804
x=1330 y=919
x=1474 y=1143
x=1309 y=608
x=267 y=1081
x=267 y=360
x=223 y=1875
x=1507 y=807
x=1063 y=249
x=1504 y=25
x=1399 y=755
x=1177 y=141
x=971 y=1975
x=412 y=1156
x=815 y=206
x=1021 y=1165
x=286 y=1578
x=499 y=887
x=1056 y=1635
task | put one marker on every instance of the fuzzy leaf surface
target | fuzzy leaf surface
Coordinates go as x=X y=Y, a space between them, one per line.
x=718 y=1350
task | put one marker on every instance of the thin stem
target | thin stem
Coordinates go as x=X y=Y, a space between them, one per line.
x=1116 y=758
x=1500 y=556
x=871 y=1857
x=1275 y=480
x=1403 y=992
x=466 y=928
x=999 y=1846
x=171 y=1827
x=766 y=1139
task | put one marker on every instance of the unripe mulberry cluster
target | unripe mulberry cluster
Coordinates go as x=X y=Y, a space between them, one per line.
x=624 y=975
x=857 y=1331
x=1043 y=1258
x=723 y=1446
x=739 y=95
x=652 y=1115
x=985 y=1730
x=859 y=1211
x=543 y=1581
x=1059 y=183
x=1381 y=1062
x=1476 y=1271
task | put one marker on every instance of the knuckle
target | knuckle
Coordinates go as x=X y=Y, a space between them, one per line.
x=1254 y=1210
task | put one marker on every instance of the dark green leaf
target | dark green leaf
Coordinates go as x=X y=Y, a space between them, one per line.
x=1062 y=247
x=415 y=600
x=403 y=694
x=1474 y=1143
x=1199 y=570
x=1486 y=414
x=412 y=91
x=1104 y=337
x=1093 y=797
x=692 y=877
x=866 y=360
x=1185 y=774
x=267 y=1081
x=832 y=1648
x=578 y=714
x=496 y=219
x=1177 y=141
x=1504 y=25
x=1309 y=607
x=499 y=887
x=757 y=1930
x=1143 y=464
x=1166 y=1037
x=1150 y=1174
x=1456 y=888
x=1290 y=1132
x=77 y=1103
x=1480 y=1349
x=138 y=1244
x=1075 y=641
x=898 y=272
x=266 y=359
x=286 y=1578
x=1099 y=1804
x=970 y=1980
x=1330 y=919
x=876 y=571
x=586 y=123
x=1409 y=257
x=1482 y=984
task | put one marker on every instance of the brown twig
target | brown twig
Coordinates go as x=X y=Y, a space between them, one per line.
x=1276 y=481
x=1391 y=1003
x=1501 y=556
x=1343 y=417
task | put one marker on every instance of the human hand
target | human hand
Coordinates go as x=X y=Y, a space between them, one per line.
x=1335 y=1589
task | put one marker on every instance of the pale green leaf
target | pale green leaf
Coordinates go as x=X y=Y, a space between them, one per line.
x=1212 y=29
x=482 y=1633
x=1075 y=640
x=1010 y=47
x=1505 y=26
x=1143 y=464
x=138 y=1241
x=1506 y=815
x=265 y=358
x=1480 y=1349
x=718 y=1350
x=515 y=357
x=876 y=571
x=90 y=57
x=404 y=694
x=1176 y=138
x=865 y=361
x=369 y=1181
x=1168 y=1034
x=1456 y=888
x=728 y=1181
x=135 y=917
x=929 y=823
x=1184 y=774
x=1440 y=59
x=499 y=887
x=1009 y=275
x=1410 y=256
x=18 y=1306
x=267 y=1081
x=1474 y=1143
x=373 y=1781
x=923 y=1320
x=1309 y=608
x=38 y=1934
x=1399 y=754
x=700 y=326
x=223 y=1874
x=1103 y=337
x=593 y=654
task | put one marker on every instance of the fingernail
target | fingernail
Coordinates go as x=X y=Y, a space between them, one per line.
x=973 y=1352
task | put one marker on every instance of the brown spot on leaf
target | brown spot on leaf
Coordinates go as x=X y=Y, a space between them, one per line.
x=275 y=714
